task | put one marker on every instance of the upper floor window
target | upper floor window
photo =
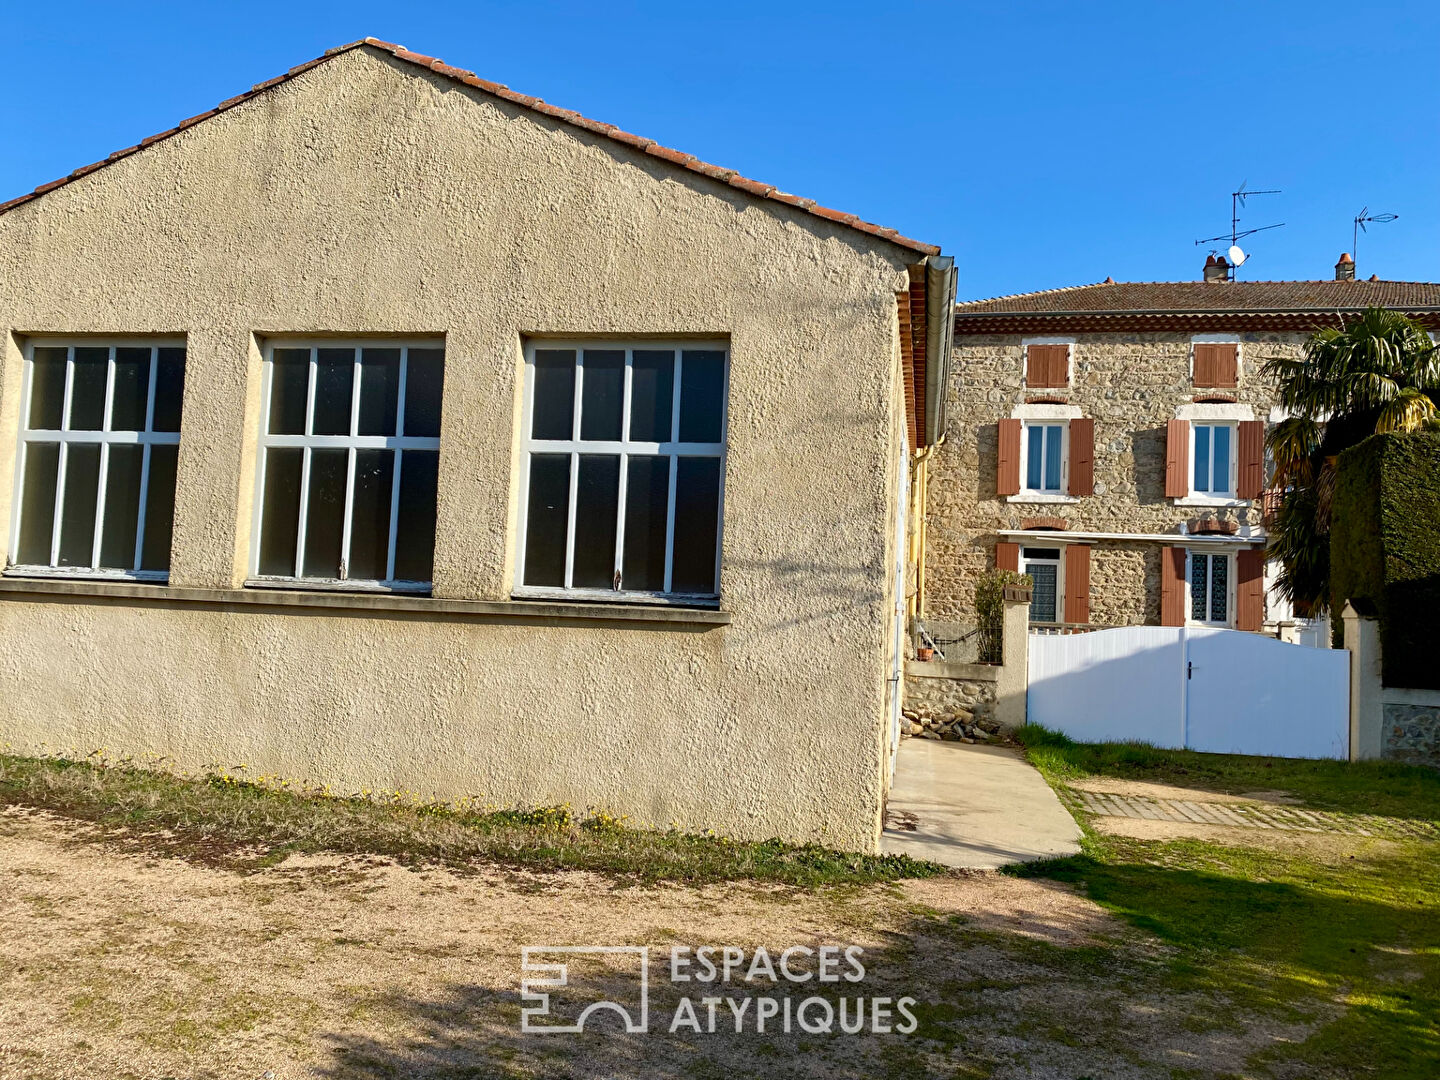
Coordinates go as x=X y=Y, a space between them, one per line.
x=1047 y=365
x=349 y=458
x=623 y=470
x=99 y=439
x=1215 y=363
x=1214 y=460
x=1044 y=450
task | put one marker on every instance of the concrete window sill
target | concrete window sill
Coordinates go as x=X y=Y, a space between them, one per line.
x=1041 y=498
x=1205 y=500
x=380 y=605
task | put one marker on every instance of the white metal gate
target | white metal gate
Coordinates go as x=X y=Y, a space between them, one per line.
x=1198 y=688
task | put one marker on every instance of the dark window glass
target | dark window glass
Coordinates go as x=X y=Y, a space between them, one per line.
x=424 y=380
x=547 y=514
x=325 y=515
x=334 y=391
x=87 y=394
x=602 y=394
x=554 y=409
x=132 y=390
x=170 y=390
x=160 y=509
x=597 y=499
x=702 y=395
x=280 y=516
x=415 y=535
x=1197 y=587
x=1044 y=601
x=379 y=391
x=697 y=523
x=289 y=385
x=37 y=505
x=647 y=497
x=47 y=392
x=652 y=394
x=1219 y=588
x=370 y=515
x=122 y=506
x=77 y=512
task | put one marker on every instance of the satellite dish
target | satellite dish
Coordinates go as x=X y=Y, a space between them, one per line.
x=1236 y=255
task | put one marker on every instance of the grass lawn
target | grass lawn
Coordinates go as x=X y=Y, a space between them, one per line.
x=1347 y=937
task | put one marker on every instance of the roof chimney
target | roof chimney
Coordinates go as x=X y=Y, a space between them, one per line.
x=1345 y=268
x=1216 y=268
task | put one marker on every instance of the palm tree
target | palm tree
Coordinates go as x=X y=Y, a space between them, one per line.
x=1380 y=372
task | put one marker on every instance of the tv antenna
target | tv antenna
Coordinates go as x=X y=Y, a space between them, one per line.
x=1236 y=234
x=1360 y=221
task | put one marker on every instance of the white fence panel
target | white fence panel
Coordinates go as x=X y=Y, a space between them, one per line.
x=1110 y=685
x=1255 y=695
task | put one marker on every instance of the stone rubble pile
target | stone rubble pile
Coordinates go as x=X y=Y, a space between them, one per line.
x=948 y=724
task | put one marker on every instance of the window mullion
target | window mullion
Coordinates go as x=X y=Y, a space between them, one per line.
x=574 y=468
x=624 y=490
x=346 y=525
x=105 y=426
x=398 y=465
x=674 y=459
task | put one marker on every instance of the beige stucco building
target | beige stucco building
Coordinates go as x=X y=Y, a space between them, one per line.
x=388 y=429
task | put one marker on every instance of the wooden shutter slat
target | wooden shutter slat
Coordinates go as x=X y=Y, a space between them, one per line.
x=1250 y=456
x=1077 y=583
x=1172 y=586
x=1007 y=480
x=1007 y=556
x=1082 y=457
x=1046 y=366
x=1177 y=459
x=1250 y=589
x=1216 y=364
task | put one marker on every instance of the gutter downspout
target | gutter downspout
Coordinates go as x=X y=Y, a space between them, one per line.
x=940 y=281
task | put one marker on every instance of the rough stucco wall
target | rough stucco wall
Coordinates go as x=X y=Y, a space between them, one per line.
x=1131 y=385
x=363 y=198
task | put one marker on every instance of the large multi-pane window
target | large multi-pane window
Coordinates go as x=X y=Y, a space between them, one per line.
x=623 y=467
x=1213 y=469
x=99 y=435
x=1043 y=566
x=1210 y=588
x=1045 y=458
x=349 y=455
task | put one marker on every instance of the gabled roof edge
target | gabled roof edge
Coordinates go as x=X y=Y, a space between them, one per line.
x=567 y=116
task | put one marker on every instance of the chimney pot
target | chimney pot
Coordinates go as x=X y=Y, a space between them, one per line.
x=1345 y=267
x=1216 y=268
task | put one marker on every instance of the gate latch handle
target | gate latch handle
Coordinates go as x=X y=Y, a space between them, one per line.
x=1189 y=669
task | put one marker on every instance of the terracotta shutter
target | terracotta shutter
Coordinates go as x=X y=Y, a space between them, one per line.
x=1216 y=365
x=1172 y=586
x=1007 y=556
x=1082 y=457
x=1177 y=459
x=1250 y=455
x=1077 y=583
x=1046 y=365
x=1249 y=589
x=1007 y=481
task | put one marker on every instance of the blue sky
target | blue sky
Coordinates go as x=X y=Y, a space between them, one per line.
x=1042 y=144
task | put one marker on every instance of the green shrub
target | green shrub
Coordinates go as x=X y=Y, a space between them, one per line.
x=990 y=610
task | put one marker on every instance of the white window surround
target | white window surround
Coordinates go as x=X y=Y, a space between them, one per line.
x=1190 y=620
x=105 y=437
x=1219 y=339
x=1212 y=413
x=623 y=448
x=1025 y=344
x=1052 y=414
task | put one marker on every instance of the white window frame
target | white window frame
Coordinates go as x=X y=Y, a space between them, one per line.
x=622 y=448
x=1042 y=540
x=1229 y=558
x=105 y=438
x=1228 y=496
x=1029 y=494
x=1219 y=339
x=397 y=442
x=1068 y=342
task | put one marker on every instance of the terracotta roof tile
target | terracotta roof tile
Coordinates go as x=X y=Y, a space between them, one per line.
x=1203 y=297
x=687 y=161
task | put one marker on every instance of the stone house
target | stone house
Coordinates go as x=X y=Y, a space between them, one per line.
x=1108 y=440
x=386 y=428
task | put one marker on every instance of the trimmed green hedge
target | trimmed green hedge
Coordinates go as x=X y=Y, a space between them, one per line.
x=1385 y=549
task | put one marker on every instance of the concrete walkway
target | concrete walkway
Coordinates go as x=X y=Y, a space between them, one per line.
x=980 y=807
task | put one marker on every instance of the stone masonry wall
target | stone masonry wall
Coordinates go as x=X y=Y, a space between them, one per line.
x=1412 y=734
x=1131 y=385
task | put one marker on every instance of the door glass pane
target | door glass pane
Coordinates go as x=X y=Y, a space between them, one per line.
x=1035 y=457
x=37 y=505
x=1202 y=457
x=132 y=390
x=289 y=383
x=554 y=406
x=697 y=523
x=379 y=391
x=170 y=390
x=280 y=516
x=424 y=382
x=652 y=393
x=334 y=385
x=122 y=504
x=415 y=536
x=77 y=513
x=1219 y=588
x=370 y=515
x=597 y=500
x=160 y=509
x=47 y=393
x=548 y=510
x=702 y=395
x=1043 y=600
x=1198 y=566
x=1052 y=458
x=87 y=393
x=601 y=395
x=1220 y=476
x=325 y=514
x=647 y=496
